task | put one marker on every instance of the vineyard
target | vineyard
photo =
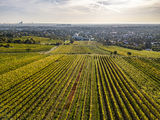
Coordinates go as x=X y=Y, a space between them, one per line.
x=79 y=49
x=77 y=87
x=13 y=61
x=123 y=52
x=80 y=81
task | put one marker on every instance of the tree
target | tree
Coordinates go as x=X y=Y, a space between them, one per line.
x=115 y=52
x=71 y=40
x=28 y=49
x=17 y=41
x=129 y=53
x=29 y=41
x=32 y=41
x=148 y=45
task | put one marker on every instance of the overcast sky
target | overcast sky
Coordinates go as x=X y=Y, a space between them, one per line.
x=80 y=11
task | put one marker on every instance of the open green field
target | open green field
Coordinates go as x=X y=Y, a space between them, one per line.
x=82 y=81
x=42 y=44
x=41 y=40
x=17 y=48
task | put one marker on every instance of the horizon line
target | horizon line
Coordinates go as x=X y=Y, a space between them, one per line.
x=80 y=23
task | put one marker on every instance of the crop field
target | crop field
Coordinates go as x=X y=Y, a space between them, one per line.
x=144 y=72
x=79 y=49
x=77 y=87
x=12 y=61
x=80 y=82
x=123 y=51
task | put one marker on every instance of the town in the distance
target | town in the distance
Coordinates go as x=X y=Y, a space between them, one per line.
x=133 y=36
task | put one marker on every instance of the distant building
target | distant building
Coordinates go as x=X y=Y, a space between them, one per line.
x=77 y=37
x=20 y=23
x=155 y=43
x=125 y=42
x=80 y=38
x=148 y=49
x=64 y=25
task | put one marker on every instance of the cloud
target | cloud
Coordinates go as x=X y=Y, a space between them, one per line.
x=51 y=1
x=155 y=8
x=113 y=2
x=78 y=10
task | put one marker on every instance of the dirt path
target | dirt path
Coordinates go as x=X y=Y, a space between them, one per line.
x=73 y=90
x=47 y=52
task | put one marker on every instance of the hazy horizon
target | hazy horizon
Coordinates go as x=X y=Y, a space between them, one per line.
x=24 y=23
x=80 y=12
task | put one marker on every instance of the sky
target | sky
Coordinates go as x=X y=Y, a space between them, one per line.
x=80 y=11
